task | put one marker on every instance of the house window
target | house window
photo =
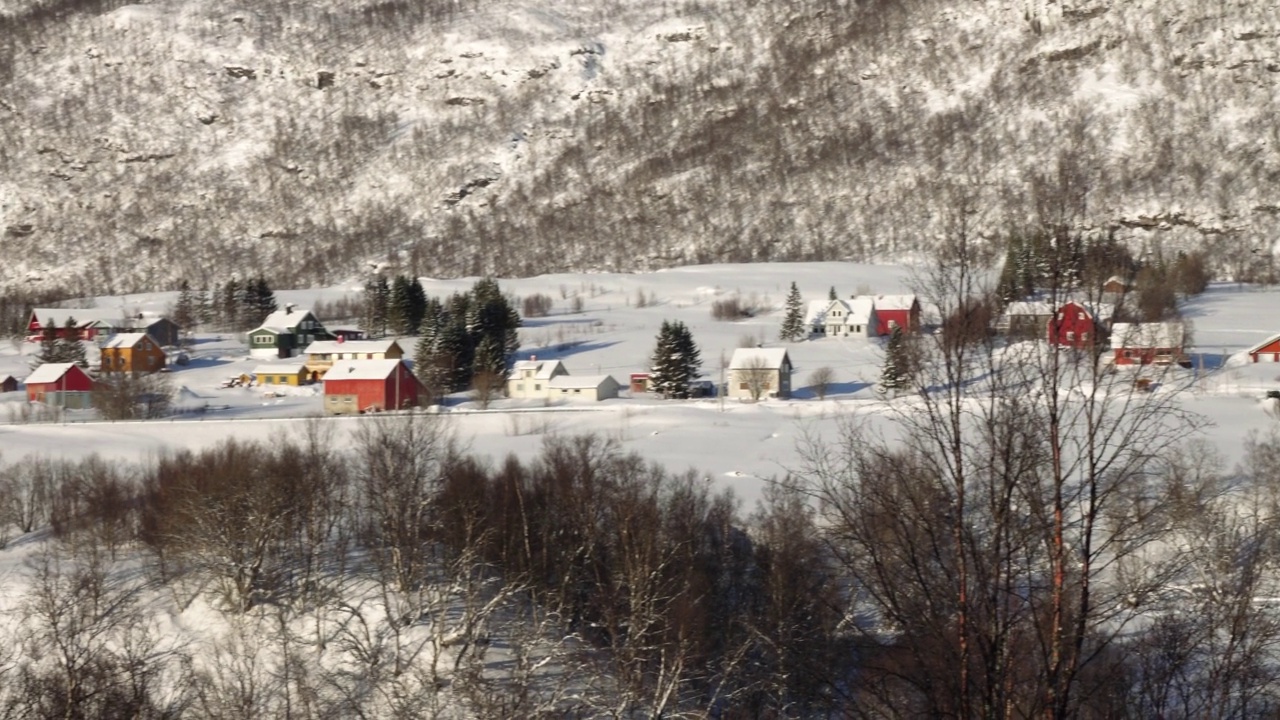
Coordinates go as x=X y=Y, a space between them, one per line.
x=263 y=339
x=1080 y=316
x=743 y=386
x=1070 y=335
x=1084 y=335
x=537 y=386
x=520 y=387
x=576 y=390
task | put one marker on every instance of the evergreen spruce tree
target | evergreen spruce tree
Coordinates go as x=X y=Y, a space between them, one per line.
x=186 y=312
x=676 y=361
x=831 y=294
x=397 y=306
x=793 y=321
x=258 y=300
x=416 y=305
x=897 y=363
x=69 y=348
x=433 y=367
x=49 y=348
x=377 y=296
x=229 y=302
x=492 y=324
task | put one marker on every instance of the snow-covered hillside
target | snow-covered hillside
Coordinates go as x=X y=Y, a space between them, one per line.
x=148 y=142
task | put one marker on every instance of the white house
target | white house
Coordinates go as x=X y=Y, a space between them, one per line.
x=582 y=387
x=530 y=379
x=856 y=317
x=756 y=373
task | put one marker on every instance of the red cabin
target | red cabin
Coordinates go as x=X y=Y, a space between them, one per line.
x=357 y=386
x=61 y=384
x=1078 y=326
x=1266 y=351
x=1149 y=344
x=897 y=311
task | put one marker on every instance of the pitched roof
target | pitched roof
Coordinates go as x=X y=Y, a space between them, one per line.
x=287 y=318
x=282 y=369
x=570 y=382
x=543 y=369
x=124 y=340
x=350 y=346
x=1264 y=343
x=361 y=370
x=895 y=302
x=1029 y=307
x=750 y=358
x=1100 y=312
x=1148 y=335
x=49 y=373
x=83 y=316
x=860 y=308
x=817 y=312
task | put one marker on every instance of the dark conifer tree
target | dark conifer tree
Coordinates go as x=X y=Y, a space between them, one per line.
x=676 y=361
x=793 y=321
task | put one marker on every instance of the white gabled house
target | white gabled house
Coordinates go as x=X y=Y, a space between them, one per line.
x=591 y=388
x=759 y=373
x=530 y=379
x=853 y=317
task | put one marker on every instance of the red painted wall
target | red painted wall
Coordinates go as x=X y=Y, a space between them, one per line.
x=1266 y=351
x=1072 y=326
x=378 y=393
x=75 y=381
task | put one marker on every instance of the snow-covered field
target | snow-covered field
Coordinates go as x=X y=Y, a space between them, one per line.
x=736 y=445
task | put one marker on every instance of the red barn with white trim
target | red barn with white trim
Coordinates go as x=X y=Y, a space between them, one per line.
x=357 y=386
x=64 y=384
x=1266 y=351
x=897 y=311
x=1078 y=326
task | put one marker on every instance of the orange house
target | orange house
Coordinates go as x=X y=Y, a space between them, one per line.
x=132 y=353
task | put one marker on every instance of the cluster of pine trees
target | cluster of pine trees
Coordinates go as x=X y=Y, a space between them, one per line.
x=60 y=348
x=395 y=307
x=234 y=305
x=465 y=336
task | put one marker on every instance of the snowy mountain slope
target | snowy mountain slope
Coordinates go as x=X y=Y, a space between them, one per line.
x=144 y=143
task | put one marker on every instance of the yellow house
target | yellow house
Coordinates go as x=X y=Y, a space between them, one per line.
x=322 y=354
x=291 y=374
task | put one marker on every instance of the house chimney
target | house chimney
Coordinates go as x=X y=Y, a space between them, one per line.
x=533 y=358
x=288 y=308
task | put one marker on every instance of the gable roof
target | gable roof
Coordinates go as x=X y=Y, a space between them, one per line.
x=124 y=340
x=1148 y=335
x=750 y=358
x=581 y=382
x=543 y=369
x=1100 y=312
x=349 y=346
x=4 y=378
x=816 y=314
x=49 y=373
x=895 y=302
x=1263 y=344
x=361 y=370
x=83 y=316
x=285 y=320
x=860 y=309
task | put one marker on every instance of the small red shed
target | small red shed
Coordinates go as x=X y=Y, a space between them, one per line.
x=639 y=382
x=897 y=311
x=357 y=386
x=62 y=384
x=1077 y=325
x=1266 y=351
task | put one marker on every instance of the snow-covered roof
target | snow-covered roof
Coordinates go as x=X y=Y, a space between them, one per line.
x=328 y=347
x=287 y=319
x=1148 y=335
x=123 y=340
x=49 y=373
x=1100 y=312
x=858 y=309
x=83 y=316
x=542 y=369
x=283 y=369
x=361 y=370
x=750 y=358
x=817 y=312
x=1263 y=344
x=895 y=302
x=581 y=382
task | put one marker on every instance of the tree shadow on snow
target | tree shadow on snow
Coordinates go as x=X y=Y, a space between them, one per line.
x=560 y=351
x=835 y=388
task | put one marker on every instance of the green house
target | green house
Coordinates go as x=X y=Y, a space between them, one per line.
x=285 y=332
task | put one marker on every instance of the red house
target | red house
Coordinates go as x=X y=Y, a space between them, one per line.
x=1079 y=326
x=357 y=386
x=1266 y=351
x=897 y=311
x=60 y=384
x=1149 y=344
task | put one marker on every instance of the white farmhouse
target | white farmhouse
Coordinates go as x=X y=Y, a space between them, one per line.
x=583 y=387
x=756 y=373
x=530 y=379
x=853 y=317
